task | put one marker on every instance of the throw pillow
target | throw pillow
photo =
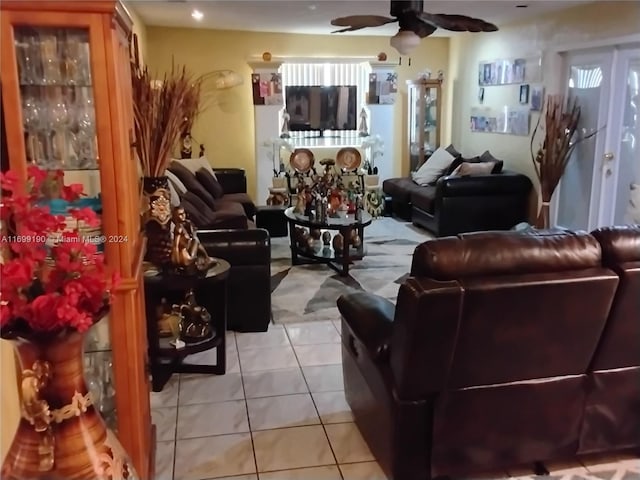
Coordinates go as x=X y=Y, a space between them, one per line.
x=468 y=168
x=452 y=150
x=433 y=167
x=191 y=182
x=195 y=164
x=487 y=157
x=194 y=209
x=175 y=197
x=175 y=181
x=210 y=183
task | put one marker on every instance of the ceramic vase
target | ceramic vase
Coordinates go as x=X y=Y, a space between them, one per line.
x=157 y=219
x=61 y=434
x=338 y=243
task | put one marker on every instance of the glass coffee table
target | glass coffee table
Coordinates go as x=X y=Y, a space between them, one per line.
x=316 y=250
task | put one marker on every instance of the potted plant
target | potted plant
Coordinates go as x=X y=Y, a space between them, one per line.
x=54 y=288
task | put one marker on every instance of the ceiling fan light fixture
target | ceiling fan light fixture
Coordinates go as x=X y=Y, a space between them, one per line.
x=405 y=41
x=197 y=15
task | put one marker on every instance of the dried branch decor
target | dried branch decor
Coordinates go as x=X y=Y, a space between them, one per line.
x=559 y=140
x=162 y=110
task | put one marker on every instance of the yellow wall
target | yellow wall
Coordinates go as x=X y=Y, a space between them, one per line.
x=140 y=30
x=227 y=129
x=575 y=27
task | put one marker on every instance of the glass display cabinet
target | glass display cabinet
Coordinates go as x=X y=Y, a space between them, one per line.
x=424 y=96
x=66 y=93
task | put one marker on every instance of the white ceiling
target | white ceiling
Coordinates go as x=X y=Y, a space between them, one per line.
x=314 y=16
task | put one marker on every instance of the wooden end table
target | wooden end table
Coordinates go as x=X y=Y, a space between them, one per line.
x=211 y=292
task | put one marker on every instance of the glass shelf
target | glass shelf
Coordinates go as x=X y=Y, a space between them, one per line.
x=60 y=84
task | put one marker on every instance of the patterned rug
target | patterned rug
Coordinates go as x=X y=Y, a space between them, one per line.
x=309 y=292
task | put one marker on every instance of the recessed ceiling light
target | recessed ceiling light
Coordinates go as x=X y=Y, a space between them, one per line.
x=197 y=15
x=312 y=7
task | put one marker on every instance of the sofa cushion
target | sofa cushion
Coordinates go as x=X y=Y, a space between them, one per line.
x=197 y=211
x=210 y=183
x=243 y=199
x=424 y=198
x=191 y=182
x=229 y=215
x=400 y=188
x=468 y=168
x=433 y=168
x=177 y=183
x=195 y=164
x=487 y=157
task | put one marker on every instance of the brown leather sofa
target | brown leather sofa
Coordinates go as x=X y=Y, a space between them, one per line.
x=503 y=349
x=249 y=284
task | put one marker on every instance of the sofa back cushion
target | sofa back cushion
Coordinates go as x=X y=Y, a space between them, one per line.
x=620 y=344
x=499 y=307
x=433 y=168
x=191 y=183
x=210 y=183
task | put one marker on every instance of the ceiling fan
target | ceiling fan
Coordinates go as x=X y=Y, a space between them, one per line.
x=414 y=24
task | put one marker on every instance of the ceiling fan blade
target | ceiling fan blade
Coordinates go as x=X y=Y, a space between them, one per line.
x=357 y=22
x=457 y=23
x=348 y=29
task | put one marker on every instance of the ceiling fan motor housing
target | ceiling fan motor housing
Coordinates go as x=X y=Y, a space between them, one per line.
x=398 y=8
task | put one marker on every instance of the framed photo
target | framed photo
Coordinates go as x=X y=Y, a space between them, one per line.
x=481 y=94
x=524 y=94
x=537 y=98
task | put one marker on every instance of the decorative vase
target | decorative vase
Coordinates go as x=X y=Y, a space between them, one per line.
x=157 y=219
x=338 y=243
x=61 y=434
x=542 y=222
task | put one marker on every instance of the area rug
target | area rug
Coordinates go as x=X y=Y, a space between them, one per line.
x=309 y=292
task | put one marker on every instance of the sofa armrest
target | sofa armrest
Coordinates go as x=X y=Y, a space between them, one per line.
x=238 y=247
x=233 y=180
x=505 y=183
x=370 y=319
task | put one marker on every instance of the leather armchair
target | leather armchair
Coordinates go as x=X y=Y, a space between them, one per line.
x=249 y=285
x=484 y=362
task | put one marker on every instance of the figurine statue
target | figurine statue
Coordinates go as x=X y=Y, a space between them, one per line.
x=363 y=129
x=186 y=251
x=196 y=320
x=285 y=124
x=185 y=150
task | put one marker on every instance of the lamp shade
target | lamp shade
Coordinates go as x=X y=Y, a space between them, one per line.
x=405 y=41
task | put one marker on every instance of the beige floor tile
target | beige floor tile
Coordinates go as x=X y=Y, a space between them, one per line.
x=207 y=419
x=168 y=397
x=362 y=471
x=333 y=407
x=347 y=443
x=274 y=337
x=491 y=475
x=165 y=421
x=208 y=357
x=270 y=383
x=290 y=448
x=312 y=333
x=338 y=325
x=211 y=457
x=197 y=388
x=164 y=460
x=610 y=461
x=324 y=378
x=253 y=476
x=280 y=412
x=566 y=467
x=273 y=358
x=315 y=473
x=325 y=354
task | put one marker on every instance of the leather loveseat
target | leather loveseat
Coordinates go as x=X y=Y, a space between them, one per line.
x=454 y=205
x=249 y=284
x=505 y=348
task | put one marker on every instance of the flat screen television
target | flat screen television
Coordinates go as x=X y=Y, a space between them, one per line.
x=321 y=108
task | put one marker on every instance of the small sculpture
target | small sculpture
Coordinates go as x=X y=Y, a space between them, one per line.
x=285 y=124
x=326 y=238
x=338 y=243
x=196 y=320
x=363 y=128
x=187 y=253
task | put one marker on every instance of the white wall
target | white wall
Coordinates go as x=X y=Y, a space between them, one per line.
x=579 y=27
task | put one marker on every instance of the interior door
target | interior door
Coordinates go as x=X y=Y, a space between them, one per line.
x=620 y=197
x=577 y=201
x=601 y=184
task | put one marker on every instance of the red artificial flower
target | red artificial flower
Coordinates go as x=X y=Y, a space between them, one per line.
x=70 y=290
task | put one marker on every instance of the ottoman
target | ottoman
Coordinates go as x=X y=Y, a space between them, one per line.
x=272 y=219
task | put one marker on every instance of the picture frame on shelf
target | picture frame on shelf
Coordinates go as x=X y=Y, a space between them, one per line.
x=524 y=94
x=537 y=98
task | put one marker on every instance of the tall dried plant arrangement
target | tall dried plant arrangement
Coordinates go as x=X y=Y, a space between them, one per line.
x=560 y=138
x=163 y=109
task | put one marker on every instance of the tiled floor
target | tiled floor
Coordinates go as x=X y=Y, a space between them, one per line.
x=280 y=414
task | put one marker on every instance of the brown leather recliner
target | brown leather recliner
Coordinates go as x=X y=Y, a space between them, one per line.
x=612 y=413
x=483 y=363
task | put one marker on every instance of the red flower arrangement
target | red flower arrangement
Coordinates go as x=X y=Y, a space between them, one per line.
x=53 y=280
